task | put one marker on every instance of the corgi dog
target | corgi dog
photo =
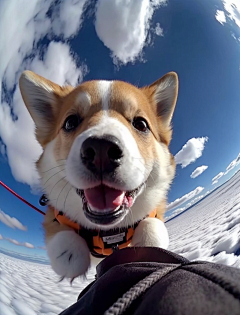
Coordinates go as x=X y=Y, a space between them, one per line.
x=105 y=165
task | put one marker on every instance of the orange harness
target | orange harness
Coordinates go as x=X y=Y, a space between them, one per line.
x=102 y=243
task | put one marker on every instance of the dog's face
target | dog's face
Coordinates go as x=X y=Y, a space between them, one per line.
x=105 y=160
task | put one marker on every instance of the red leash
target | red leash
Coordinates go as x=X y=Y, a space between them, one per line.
x=19 y=197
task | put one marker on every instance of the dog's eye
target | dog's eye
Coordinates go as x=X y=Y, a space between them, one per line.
x=71 y=123
x=140 y=124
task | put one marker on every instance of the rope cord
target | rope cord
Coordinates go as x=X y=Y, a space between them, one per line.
x=22 y=199
x=120 y=306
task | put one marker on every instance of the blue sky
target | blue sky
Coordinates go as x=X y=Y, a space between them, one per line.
x=197 y=43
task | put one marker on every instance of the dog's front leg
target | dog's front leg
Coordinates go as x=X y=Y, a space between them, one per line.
x=151 y=232
x=68 y=252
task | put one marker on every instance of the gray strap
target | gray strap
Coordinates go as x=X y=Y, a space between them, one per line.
x=134 y=292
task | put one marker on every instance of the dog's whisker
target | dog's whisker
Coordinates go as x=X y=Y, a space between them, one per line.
x=143 y=162
x=150 y=174
x=52 y=176
x=61 y=160
x=61 y=192
x=132 y=218
x=54 y=168
x=56 y=184
x=46 y=187
x=66 y=198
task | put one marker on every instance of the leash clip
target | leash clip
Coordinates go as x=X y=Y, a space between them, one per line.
x=43 y=200
x=115 y=248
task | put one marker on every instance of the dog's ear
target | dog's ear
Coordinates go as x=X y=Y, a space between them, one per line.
x=163 y=93
x=43 y=100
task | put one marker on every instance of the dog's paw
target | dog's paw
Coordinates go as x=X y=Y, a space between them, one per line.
x=69 y=254
x=150 y=232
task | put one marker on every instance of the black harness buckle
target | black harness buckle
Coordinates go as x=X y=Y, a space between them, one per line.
x=43 y=200
x=115 y=248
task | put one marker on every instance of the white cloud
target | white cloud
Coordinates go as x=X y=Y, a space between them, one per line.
x=233 y=164
x=232 y=8
x=194 y=201
x=1 y=238
x=12 y=241
x=20 y=34
x=179 y=210
x=185 y=198
x=175 y=212
x=191 y=151
x=11 y=221
x=198 y=171
x=123 y=26
x=42 y=247
x=208 y=192
x=217 y=177
x=189 y=204
x=28 y=245
x=238 y=158
x=158 y=30
x=58 y=65
x=220 y=17
x=67 y=17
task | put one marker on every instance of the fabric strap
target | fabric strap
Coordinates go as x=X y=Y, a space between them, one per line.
x=124 y=302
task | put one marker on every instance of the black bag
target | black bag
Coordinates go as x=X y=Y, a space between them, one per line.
x=153 y=281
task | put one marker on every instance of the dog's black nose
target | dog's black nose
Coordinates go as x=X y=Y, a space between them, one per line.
x=101 y=155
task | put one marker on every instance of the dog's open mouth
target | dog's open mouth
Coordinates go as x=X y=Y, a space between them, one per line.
x=104 y=205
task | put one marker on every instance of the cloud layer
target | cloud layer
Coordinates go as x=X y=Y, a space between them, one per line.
x=198 y=171
x=20 y=34
x=11 y=221
x=67 y=17
x=177 y=202
x=158 y=30
x=220 y=17
x=232 y=11
x=233 y=164
x=216 y=178
x=28 y=245
x=189 y=204
x=230 y=167
x=20 y=48
x=191 y=151
x=127 y=27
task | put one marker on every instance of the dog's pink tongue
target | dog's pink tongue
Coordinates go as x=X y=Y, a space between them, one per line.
x=103 y=197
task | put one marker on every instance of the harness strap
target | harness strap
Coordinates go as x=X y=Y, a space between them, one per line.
x=101 y=243
x=62 y=219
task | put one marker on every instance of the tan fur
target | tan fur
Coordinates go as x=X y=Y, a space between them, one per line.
x=126 y=100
